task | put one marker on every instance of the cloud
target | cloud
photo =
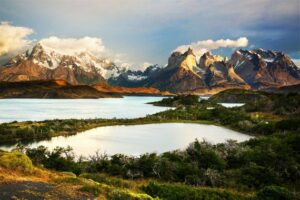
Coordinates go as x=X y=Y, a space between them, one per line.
x=297 y=62
x=145 y=65
x=13 y=39
x=92 y=45
x=204 y=46
x=73 y=46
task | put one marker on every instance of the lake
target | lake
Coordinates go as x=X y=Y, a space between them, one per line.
x=43 y=109
x=231 y=105
x=139 y=139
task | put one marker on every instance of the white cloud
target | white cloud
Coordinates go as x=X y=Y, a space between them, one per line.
x=73 y=46
x=145 y=65
x=204 y=46
x=13 y=39
x=92 y=45
x=125 y=65
x=297 y=62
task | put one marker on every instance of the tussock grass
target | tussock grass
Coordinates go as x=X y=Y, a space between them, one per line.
x=16 y=161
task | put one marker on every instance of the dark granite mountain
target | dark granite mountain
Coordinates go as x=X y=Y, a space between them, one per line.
x=184 y=75
x=180 y=75
x=255 y=69
x=131 y=78
x=264 y=68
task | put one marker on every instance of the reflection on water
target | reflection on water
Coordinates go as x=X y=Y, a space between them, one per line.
x=42 y=109
x=138 y=139
x=232 y=105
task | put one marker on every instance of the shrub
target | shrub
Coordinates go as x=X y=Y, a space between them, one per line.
x=179 y=191
x=274 y=193
x=112 y=181
x=16 y=161
x=117 y=194
x=93 y=189
x=61 y=159
x=255 y=176
x=113 y=193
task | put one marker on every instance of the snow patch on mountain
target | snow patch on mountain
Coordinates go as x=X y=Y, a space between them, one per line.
x=48 y=57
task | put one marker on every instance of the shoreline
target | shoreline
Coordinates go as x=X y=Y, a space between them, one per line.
x=102 y=123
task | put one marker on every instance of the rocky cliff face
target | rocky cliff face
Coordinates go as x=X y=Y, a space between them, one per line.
x=131 y=78
x=256 y=69
x=264 y=68
x=184 y=74
x=43 y=63
x=221 y=74
x=180 y=75
x=208 y=59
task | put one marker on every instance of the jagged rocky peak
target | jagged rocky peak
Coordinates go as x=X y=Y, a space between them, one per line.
x=207 y=59
x=233 y=76
x=267 y=56
x=265 y=68
x=52 y=59
x=189 y=62
x=42 y=63
x=186 y=60
x=263 y=56
x=213 y=76
x=189 y=52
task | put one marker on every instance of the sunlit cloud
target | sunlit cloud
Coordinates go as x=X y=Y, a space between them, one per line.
x=201 y=47
x=297 y=62
x=73 y=46
x=13 y=39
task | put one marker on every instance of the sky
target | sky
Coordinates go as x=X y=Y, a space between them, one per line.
x=138 y=32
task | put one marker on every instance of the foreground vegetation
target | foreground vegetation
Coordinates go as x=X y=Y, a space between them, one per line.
x=266 y=167
x=262 y=168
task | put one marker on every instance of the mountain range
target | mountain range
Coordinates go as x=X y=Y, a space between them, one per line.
x=248 y=69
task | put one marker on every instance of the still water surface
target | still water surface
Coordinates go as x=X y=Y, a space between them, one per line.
x=43 y=109
x=139 y=139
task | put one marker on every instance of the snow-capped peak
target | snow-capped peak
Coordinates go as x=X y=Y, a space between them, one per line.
x=51 y=58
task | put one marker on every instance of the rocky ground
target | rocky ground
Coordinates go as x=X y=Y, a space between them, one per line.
x=39 y=185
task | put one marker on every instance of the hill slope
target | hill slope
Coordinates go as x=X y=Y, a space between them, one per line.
x=48 y=89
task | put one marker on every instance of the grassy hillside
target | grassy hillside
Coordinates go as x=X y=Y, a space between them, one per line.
x=262 y=168
x=40 y=183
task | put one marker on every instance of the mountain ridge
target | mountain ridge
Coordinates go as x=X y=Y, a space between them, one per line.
x=247 y=69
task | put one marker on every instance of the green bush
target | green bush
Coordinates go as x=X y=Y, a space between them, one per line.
x=255 y=176
x=117 y=194
x=112 y=181
x=60 y=159
x=16 y=161
x=274 y=193
x=183 y=192
x=93 y=189
x=114 y=193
